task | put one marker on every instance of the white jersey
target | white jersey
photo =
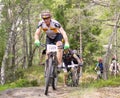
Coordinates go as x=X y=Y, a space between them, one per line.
x=52 y=30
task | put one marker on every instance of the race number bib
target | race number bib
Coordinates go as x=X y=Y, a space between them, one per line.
x=52 y=48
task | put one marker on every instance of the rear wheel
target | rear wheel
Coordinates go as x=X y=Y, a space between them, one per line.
x=48 y=75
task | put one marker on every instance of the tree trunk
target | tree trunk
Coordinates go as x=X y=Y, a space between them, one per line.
x=5 y=57
x=25 y=46
x=106 y=59
x=30 y=40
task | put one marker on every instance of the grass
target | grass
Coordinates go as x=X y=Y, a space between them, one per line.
x=4 y=87
x=18 y=83
x=112 y=81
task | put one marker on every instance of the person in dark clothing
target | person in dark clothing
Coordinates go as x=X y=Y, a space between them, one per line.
x=99 y=68
x=71 y=57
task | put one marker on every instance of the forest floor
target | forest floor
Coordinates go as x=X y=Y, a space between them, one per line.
x=62 y=92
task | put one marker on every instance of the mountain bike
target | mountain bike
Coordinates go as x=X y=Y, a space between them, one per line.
x=73 y=75
x=99 y=74
x=51 y=68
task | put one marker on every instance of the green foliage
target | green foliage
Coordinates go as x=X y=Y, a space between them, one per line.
x=105 y=83
x=20 y=83
x=4 y=87
x=59 y=15
x=24 y=83
x=91 y=83
x=12 y=75
x=96 y=30
x=34 y=76
x=35 y=73
x=34 y=83
x=90 y=69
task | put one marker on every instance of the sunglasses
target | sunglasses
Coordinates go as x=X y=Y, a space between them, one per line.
x=46 y=18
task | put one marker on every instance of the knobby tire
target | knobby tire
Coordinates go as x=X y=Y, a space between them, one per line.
x=49 y=70
x=54 y=79
x=74 y=77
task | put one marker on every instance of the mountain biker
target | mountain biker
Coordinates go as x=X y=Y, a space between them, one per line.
x=55 y=34
x=99 y=66
x=70 y=56
x=75 y=61
x=112 y=68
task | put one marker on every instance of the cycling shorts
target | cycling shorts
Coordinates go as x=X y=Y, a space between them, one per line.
x=58 y=37
x=65 y=67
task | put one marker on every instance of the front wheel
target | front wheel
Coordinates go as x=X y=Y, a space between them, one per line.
x=69 y=79
x=54 y=83
x=74 y=77
x=48 y=74
x=55 y=78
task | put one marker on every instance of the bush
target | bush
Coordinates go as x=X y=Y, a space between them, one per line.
x=34 y=83
x=12 y=76
x=20 y=83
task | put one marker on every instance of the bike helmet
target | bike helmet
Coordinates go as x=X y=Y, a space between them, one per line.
x=45 y=14
x=74 y=51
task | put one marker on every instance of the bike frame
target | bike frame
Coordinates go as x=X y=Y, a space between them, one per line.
x=51 y=70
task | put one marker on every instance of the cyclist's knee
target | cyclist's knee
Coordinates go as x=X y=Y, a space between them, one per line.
x=59 y=44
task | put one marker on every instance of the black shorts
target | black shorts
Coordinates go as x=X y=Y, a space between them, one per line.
x=58 y=37
x=66 y=65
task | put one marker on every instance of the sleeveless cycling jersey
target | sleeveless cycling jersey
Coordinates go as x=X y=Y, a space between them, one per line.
x=68 y=57
x=52 y=30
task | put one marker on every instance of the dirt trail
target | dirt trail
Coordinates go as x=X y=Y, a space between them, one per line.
x=62 y=92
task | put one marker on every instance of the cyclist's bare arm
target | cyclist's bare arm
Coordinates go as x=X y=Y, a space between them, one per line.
x=64 y=35
x=77 y=58
x=81 y=60
x=37 y=33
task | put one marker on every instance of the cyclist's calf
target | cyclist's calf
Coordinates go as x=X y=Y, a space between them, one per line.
x=59 y=53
